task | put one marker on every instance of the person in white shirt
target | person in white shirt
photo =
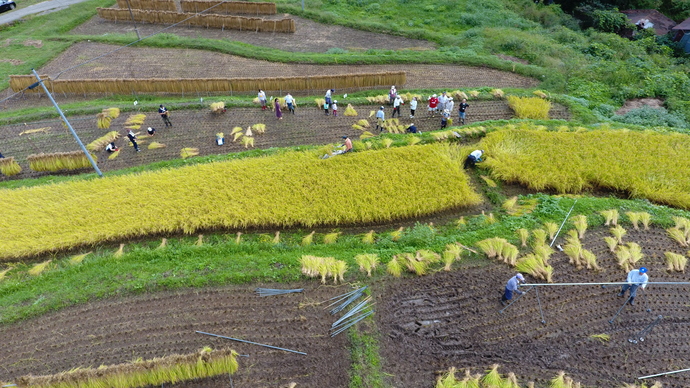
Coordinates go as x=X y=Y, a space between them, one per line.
x=396 y=105
x=413 y=107
x=473 y=158
x=450 y=104
x=335 y=108
x=328 y=96
x=111 y=148
x=637 y=278
x=442 y=100
x=290 y=101
x=262 y=99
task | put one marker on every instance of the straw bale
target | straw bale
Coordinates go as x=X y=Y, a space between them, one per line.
x=156 y=5
x=189 y=85
x=230 y=7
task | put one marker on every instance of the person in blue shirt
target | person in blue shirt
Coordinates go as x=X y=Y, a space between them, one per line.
x=380 y=118
x=512 y=287
x=636 y=278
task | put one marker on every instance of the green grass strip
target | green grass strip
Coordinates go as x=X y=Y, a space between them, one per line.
x=290 y=189
x=644 y=164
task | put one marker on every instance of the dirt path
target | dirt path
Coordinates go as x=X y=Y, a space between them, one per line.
x=427 y=325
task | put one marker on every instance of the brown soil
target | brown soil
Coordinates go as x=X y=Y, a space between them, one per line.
x=136 y=62
x=428 y=324
x=198 y=129
x=121 y=330
x=309 y=36
x=639 y=103
x=452 y=319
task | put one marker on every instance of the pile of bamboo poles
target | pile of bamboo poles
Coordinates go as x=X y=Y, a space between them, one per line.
x=156 y=5
x=229 y=7
x=193 y=85
x=204 y=20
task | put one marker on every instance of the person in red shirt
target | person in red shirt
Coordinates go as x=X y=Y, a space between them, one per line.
x=433 y=104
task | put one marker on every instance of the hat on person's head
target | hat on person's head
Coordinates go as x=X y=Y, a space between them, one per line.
x=335 y=101
x=381 y=107
x=344 y=137
x=433 y=95
x=161 y=105
x=520 y=277
x=643 y=270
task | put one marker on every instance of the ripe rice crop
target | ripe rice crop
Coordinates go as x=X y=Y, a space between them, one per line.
x=9 y=167
x=59 y=161
x=139 y=373
x=570 y=162
x=237 y=194
x=100 y=143
x=529 y=107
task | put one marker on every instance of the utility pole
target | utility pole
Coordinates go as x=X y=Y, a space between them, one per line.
x=133 y=22
x=76 y=137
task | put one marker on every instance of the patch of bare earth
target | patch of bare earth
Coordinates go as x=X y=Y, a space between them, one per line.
x=309 y=36
x=124 y=329
x=637 y=103
x=431 y=323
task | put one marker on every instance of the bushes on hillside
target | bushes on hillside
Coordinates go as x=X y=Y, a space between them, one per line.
x=652 y=117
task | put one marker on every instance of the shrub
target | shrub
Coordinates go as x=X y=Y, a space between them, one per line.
x=648 y=116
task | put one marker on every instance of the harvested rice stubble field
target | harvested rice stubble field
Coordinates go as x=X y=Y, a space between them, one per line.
x=198 y=128
x=452 y=319
x=427 y=324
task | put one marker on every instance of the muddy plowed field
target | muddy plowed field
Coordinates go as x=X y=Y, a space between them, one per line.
x=453 y=319
x=427 y=324
x=309 y=36
x=198 y=129
x=122 y=330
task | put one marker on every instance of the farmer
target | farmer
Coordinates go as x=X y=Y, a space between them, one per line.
x=636 y=278
x=328 y=95
x=164 y=115
x=412 y=129
x=346 y=147
x=334 y=106
x=444 y=118
x=473 y=158
x=461 y=110
x=276 y=106
x=396 y=105
x=133 y=138
x=413 y=107
x=151 y=131
x=262 y=99
x=442 y=100
x=512 y=287
x=111 y=148
x=433 y=104
x=1 y=157
x=290 y=101
x=380 y=118
x=392 y=94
